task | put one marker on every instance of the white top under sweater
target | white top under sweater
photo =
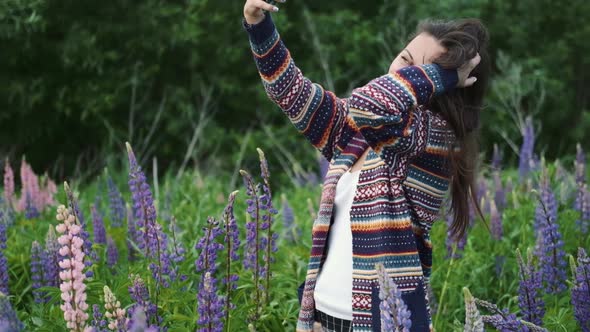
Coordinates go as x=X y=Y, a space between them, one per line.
x=333 y=289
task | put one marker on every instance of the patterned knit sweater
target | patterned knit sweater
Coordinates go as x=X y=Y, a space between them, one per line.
x=402 y=182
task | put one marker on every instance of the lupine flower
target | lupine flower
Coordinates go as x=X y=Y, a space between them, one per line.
x=72 y=286
x=132 y=236
x=98 y=322
x=138 y=322
x=98 y=226
x=526 y=158
x=395 y=315
x=3 y=261
x=84 y=235
x=549 y=243
x=473 y=320
x=505 y=321
x=292 y=232
x=499 y=193
x=139 y=293
x=31 y=211
x=36 y=271
x=496 y=164
x=210 y=305
x=153 y=240
x=580 y=164
x=496 y=221
x=50 y=260
x=581 y=289
x=9 y=322
x=530 y=296
x=114 y=313
x=450 y=240
x=8 y=184
x=268 y=242
x=112 y=252
x=584 y=219
x=232 y=243
x=177 y=251
x=116 y=204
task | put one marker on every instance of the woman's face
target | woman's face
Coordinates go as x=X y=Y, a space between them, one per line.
x=421 y=50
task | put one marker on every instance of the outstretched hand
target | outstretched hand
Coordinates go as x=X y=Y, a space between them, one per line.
x=253 y=10
x=465 y=70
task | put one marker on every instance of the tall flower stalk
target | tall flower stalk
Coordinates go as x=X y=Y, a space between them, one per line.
x=581 y=289
x=270 y=240
x=473 y=319
x=232 y=243
x=530 y=296
x=36 y=271
x=72 y=286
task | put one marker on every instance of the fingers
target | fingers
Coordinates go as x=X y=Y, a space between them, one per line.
x=266 y=6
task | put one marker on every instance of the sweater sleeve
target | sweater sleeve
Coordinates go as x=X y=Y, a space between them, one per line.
x=316 y=113
x=381 y=109
x=385 y=109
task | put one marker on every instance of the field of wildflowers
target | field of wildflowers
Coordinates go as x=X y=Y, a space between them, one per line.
x=125 y=254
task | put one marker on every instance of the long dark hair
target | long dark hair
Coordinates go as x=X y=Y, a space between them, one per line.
x=461 y=107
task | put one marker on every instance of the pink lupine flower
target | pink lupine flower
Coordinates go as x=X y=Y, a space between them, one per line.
x=72 y=276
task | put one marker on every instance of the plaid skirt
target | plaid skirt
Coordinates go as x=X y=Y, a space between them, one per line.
x=333 y=324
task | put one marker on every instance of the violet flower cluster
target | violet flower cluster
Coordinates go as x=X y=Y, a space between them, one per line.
x=98 y=322
x=395 y=315
x=496 y=221
x=527 y=160
x=232 y=243
x=153 y=241
x=112 y=253
x=139 y=293
x=210 y=304
x=50 y=258
x=36 y=271
x=116 y=204
x=98 y=226
x=9 y=321
x=72 y=287
x=291 y=233
x=549 y=241
x=139 y=323
x=530 y=290
x=581 y=290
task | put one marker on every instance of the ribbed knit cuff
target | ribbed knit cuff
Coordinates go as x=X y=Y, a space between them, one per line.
x=261 y=31
x=444 y=79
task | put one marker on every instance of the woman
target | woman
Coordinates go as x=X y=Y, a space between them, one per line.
x=395 y=146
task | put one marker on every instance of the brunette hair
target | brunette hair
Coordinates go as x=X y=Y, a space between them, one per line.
x=461 y=107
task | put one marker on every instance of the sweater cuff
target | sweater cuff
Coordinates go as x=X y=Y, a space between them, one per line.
x=261 y=31
x=443 y=79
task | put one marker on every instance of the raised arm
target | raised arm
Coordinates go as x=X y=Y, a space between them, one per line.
x=316 y=113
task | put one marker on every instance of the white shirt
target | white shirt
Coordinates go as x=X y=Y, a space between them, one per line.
x=333 y=289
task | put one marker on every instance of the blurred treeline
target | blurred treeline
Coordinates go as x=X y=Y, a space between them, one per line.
x=177 y=79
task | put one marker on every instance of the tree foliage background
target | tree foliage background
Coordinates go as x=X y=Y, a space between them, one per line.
x=177 y=79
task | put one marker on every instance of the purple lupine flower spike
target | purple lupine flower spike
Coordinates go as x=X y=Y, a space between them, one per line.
x=112 y=253
x=36 y=271
x=526 y=158
x=98 y=321
x=98 y=226
x=496 y=164
x=530 y=292
x=8 y=319
x=50 y=258
x=232 y=242
x=210 y=304
x=499 y=193
x=496 y=221
x=395 y=315
x=140 y=295
x=153 y=240
x=291 y=232
x=549 y=243
x=581 y=290
x=116 y=204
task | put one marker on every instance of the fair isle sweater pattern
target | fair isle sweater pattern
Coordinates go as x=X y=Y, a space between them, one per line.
x=402 y=182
